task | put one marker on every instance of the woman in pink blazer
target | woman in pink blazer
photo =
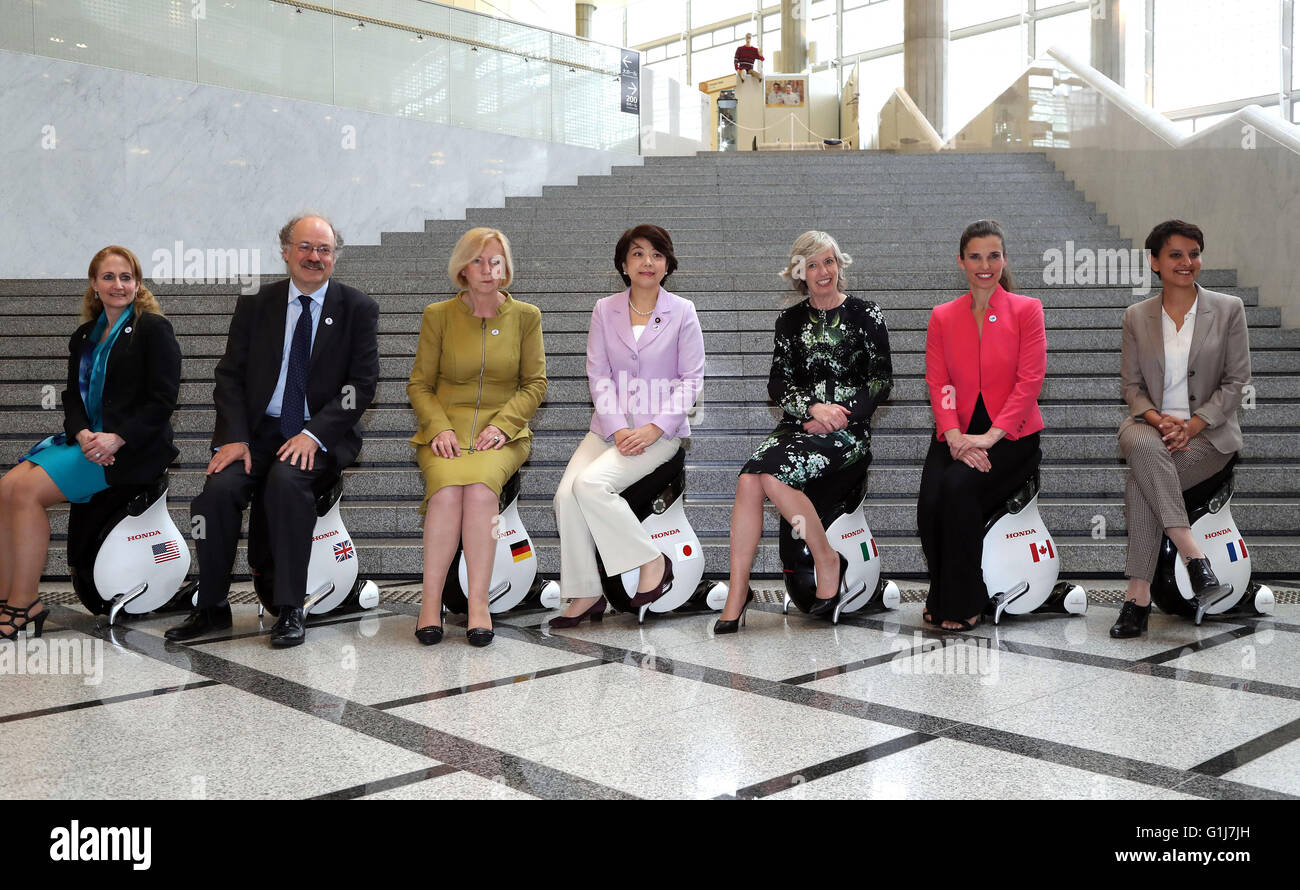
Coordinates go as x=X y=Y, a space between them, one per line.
x=985 y=357
x=645 y=367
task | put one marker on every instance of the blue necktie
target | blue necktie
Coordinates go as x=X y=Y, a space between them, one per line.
x=295 y=379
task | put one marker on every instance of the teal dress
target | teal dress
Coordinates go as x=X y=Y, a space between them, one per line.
x=77 y=477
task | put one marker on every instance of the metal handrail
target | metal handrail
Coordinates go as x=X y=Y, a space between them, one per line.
x=426 y=32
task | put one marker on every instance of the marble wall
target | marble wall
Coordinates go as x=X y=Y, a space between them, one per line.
x=91 y=156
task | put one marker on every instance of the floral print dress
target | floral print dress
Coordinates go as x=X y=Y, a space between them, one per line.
x=839 y=356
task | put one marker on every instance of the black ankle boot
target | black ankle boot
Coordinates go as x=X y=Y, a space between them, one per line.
x=1132 y=620
x=1206 y=589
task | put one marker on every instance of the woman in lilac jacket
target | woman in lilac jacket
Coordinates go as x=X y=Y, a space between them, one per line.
x=645 y=367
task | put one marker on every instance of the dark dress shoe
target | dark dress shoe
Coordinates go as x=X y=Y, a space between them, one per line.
x=731 y=625
x=646 y=597
x=479 y=636
x=429 y=635
x=1206 y=589
x=823 y=608
x=1132 y=620
x=199 y=622
x=290 y=629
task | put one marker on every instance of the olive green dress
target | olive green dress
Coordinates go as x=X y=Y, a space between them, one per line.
x=471 y=372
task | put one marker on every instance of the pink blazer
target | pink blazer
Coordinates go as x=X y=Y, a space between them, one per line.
x=1006 y=365
x=652 y=380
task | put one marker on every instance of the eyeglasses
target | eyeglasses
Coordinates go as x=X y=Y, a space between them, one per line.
x=323 y=251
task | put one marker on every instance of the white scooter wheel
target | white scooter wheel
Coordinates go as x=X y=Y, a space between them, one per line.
x=716 y=598
x=891 y=596
x=550 y=597
x=368 y=595
x=1076 y=601
x=1263 y=601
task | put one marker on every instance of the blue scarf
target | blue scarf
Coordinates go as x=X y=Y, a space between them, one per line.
x=94 y=362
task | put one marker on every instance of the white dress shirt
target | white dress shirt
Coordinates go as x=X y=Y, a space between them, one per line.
x=1178 y=347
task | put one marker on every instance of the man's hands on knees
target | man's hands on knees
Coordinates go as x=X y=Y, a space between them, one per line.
x=300 y=452
x=227 y=455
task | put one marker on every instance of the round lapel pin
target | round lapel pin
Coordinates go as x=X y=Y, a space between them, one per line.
x=495 y=331
x=329 y=321
x=126 y=330
x=993 y=318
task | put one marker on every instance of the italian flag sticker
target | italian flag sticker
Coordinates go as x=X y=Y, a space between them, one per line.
x=869 y=549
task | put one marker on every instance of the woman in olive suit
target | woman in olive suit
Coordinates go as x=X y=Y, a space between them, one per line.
x=479 y=375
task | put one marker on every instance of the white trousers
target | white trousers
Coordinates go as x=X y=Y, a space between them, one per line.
x=591 y=515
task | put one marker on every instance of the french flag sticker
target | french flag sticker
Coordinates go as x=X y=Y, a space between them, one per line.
x=1238 y=548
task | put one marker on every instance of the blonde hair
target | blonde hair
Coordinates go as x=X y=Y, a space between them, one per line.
x=145 y=301
x=807 y=246
x=471 y=245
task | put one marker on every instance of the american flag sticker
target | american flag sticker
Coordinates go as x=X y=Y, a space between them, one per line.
x=343 y=551
x=166 y=552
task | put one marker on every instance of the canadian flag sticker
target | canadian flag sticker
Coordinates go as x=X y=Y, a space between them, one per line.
x=1037 y=551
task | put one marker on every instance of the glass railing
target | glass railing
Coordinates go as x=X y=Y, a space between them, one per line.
x=408 y=58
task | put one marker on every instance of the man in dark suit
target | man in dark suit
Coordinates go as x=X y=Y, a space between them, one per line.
x=300 y=368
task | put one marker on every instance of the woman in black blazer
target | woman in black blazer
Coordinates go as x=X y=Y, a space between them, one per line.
x=124 y=373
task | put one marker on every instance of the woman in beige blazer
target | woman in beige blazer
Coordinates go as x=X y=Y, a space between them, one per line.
x=1186 y=358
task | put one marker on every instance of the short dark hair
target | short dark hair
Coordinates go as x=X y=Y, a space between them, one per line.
x=659 y=239
x=1161 y=234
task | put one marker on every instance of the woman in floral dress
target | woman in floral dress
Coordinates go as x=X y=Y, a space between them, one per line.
x=830 y=369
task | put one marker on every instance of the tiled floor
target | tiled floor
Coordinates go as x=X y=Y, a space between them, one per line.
x=878 y=707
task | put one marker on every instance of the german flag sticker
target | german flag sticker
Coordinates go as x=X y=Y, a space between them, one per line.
x=521 y=550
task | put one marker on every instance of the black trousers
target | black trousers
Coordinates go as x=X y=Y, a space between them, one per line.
x=950 y=513
x=289 y=499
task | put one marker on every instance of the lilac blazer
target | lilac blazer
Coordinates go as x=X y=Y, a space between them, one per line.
x=654 y=380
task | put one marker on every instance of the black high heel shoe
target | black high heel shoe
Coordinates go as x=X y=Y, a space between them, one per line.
x=36 y=622
x=827 y=606
x=731 y=625
x=479 y=636
x=429 y=635
x=645 y=598
x=595 y=613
